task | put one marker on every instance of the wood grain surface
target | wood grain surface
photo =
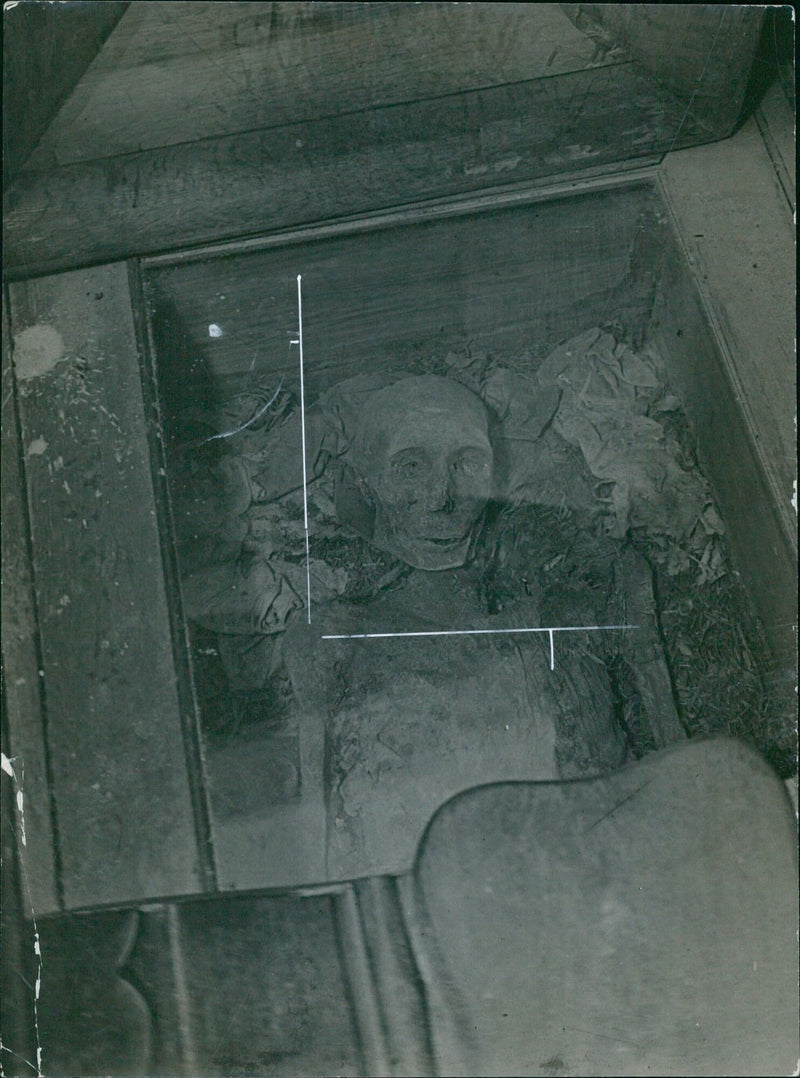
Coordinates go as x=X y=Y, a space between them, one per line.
x=736 y=226
x=201 y=121
x=47 y=48
x=639 y=923
x=91 y=1018
x=763 y=545
x=119 y=778
x=238 y=185
x=247 y=985
x=701 y=53
x=180 y=72
x=519 y=279
x=23 y=680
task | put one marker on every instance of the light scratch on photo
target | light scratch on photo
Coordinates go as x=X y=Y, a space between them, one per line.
x=248 y=423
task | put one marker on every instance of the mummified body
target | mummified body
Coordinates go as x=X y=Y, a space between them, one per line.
x=391 y=726
x=411 y=720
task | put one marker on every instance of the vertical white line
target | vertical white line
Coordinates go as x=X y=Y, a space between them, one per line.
x=552 y=651
x=303 y=434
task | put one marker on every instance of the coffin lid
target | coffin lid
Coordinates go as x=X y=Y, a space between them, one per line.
x=172 y=124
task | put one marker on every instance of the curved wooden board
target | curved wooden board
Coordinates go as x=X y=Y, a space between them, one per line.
x=639 y=923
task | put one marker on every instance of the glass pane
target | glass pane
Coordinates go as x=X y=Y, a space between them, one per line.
x=499 y=479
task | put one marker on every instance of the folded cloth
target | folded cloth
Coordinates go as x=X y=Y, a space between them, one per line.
x=241 y=596
x=608 y=397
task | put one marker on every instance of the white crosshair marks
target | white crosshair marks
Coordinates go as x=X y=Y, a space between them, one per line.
x=550 y=630
x=299 y=342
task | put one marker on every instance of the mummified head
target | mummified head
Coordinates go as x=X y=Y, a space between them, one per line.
x=422 y=462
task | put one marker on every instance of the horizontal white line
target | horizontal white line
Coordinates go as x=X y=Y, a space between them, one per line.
x=478 y=632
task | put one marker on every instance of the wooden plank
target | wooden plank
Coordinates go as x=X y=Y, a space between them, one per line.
x=701 y=52
x=91 y=1019
x=640 y=923
x=262 y=181
x=763 y=548
x=736 y=227
x=46 y=50
x=23 y=684
x=178 y=72
x=18 y=968
x=266 y=992
x=464 y=279
x=119 y=776
x=775 y=119
x=401 y=1002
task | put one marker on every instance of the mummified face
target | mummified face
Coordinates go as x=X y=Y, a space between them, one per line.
x=423 y=451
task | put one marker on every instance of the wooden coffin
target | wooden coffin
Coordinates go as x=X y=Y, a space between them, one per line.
x=448 y=180
x=113 y=718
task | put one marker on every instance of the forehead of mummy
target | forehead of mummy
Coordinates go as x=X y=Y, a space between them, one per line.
x=419 y=410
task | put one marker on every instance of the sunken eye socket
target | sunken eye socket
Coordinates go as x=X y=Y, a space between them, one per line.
x=409 y=465
x=471 y=463
x=414 y=464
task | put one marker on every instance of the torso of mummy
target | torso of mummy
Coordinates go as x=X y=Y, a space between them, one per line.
x=392 y=726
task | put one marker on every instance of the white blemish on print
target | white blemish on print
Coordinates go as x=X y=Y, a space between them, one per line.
x=37 y=447
x=7 y=765
x=37 y=350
